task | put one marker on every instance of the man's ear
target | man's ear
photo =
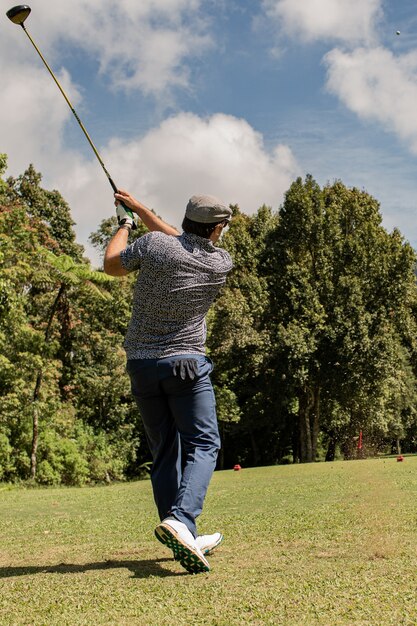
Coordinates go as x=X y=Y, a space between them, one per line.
x=219 y=229
x=215 y=235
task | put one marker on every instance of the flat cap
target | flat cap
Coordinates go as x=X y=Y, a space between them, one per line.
x=207 y=210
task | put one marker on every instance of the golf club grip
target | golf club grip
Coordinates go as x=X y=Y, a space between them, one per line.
x=130 y=214
x=128 y=211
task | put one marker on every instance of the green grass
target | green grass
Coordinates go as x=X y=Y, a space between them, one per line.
x=327 y=544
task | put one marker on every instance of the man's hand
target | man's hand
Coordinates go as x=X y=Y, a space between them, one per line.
x=123 y=217
x=128 y=200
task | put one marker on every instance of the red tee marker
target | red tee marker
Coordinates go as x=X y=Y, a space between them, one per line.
x=237 y=468
x=400 y=458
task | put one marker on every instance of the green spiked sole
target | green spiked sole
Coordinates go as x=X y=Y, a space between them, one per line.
x=190 y=560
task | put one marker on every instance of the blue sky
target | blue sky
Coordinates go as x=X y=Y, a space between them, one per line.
x=230 y=98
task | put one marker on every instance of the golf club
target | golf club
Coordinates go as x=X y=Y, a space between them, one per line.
x=18 y=15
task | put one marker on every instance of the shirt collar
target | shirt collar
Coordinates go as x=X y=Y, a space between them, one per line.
x=201 y=242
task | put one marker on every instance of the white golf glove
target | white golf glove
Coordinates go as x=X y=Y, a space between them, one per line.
x=123 y=217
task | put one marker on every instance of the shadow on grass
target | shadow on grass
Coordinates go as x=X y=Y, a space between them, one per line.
x=140 y=569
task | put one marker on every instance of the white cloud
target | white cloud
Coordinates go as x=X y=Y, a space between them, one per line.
x=145 y=44
x=377 y=85
x=33 y=115
x=351 y=21
x=186 y=154
x=221 y=155
x=370 y=80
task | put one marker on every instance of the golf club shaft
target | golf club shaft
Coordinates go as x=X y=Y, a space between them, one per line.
x=113 y=185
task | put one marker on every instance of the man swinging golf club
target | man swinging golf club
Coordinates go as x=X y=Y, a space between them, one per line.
x=179 y=277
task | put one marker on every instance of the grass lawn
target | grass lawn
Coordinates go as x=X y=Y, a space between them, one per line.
x=329 y=543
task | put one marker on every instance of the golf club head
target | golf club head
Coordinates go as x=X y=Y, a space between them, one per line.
x=18 y=14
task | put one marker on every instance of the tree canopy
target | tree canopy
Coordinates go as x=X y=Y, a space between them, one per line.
x=313 y=338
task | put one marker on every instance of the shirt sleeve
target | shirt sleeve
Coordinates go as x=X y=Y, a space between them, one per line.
x=227 y=260
x=131 y=257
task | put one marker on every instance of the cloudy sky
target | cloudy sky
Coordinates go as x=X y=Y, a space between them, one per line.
x=229 y=97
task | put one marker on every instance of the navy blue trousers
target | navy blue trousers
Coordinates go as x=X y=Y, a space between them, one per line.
x=180 y=422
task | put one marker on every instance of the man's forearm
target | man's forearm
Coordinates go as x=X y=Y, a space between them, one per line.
x=112 y=264
x=151 y=221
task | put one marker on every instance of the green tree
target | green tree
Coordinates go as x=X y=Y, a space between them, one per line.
x=50 y=208
x=18 y=340
x=60 y=354
x=65 y=275
x=238 y=342
x=340 y=293
x=101 y=237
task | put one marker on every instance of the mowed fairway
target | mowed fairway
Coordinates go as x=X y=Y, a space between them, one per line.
x=312 y=544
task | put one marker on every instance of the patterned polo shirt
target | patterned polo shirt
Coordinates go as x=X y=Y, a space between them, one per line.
x=178 y=279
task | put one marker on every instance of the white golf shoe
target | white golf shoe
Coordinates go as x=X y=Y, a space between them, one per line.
x=175 y=534
x=207 y=543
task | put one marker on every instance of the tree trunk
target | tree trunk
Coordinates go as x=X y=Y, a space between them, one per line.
x=65 y=347
x=220 y=458
x=34 y=451
x=35 y=418
x=309 y=420
x=296 y=454
x=331 y=448
x=315 y=421
x=35 y=426
x=255 y=449
x=304 y=406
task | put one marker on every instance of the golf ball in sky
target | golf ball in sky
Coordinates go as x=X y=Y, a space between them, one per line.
x=398 y=32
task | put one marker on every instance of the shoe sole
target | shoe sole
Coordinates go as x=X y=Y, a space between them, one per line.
x=190 y=560
x=210 y=549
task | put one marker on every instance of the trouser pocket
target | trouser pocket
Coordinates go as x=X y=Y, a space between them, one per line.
x=185 y=368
